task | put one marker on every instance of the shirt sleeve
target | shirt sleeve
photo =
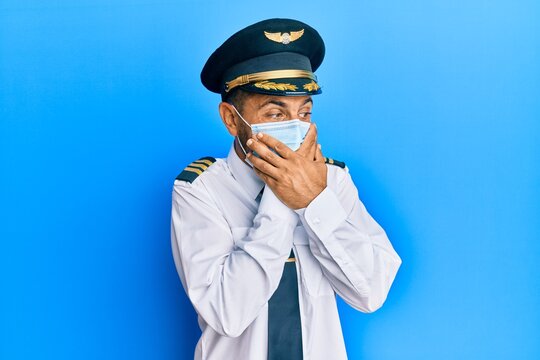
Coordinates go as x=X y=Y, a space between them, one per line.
x=352 y=249
x=228 y=283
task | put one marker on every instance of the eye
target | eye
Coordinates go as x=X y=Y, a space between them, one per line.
x=305 y=114
x=275 y=116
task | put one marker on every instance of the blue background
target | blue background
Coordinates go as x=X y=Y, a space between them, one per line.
x=434 y=105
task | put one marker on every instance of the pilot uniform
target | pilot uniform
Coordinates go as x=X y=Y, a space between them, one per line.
x=263 y=278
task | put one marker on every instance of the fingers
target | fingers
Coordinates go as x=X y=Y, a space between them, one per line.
x=272 y=143
x=312 y=141
x=264 y=152
x=264 y=177
x=313 y=151
x=318 y=154
x=308 y=147
x=263 y=166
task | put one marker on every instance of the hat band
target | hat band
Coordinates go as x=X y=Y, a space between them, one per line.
x=268 y=75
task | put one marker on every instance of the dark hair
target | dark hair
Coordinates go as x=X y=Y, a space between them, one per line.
x=236 y=98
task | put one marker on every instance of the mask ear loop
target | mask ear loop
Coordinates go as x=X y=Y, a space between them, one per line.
x=238 y=139
x=241 y=117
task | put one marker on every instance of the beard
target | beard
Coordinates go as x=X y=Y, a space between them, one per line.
x=244 y=133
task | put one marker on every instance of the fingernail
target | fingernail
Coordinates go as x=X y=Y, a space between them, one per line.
x=249 y=142
x=260 y=135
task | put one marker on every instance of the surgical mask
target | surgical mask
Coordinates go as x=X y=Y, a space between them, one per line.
x=290 y=132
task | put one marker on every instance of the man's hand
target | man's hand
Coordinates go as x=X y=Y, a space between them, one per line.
x=310 y=149
x=295 y=177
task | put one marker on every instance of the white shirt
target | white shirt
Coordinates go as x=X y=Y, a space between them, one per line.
x=230 y=251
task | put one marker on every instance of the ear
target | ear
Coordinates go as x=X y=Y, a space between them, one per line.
x=228 y=117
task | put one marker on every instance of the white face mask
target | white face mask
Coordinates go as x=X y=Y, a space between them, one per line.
x=290 y=132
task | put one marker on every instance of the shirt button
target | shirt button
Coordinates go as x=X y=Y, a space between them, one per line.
x=316 y=220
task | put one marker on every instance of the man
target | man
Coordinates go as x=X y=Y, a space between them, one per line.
x=265 y=238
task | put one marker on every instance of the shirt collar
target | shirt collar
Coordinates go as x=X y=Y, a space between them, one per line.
x=244 y=174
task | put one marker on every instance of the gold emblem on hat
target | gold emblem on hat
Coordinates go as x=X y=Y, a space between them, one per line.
x=284 y=38
x=312 y=86
x=270 y=85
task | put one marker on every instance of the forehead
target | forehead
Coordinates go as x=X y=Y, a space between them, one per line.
x=262 y=100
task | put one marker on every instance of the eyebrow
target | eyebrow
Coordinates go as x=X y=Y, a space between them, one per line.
x=309 y=99
x=281 y=103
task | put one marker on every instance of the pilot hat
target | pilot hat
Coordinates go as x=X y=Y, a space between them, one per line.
x=273 y=57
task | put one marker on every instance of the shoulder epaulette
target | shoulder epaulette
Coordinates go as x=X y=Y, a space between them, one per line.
x=341 y=164
x=196 y=168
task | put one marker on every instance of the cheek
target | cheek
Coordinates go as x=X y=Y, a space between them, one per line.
x=244 y=133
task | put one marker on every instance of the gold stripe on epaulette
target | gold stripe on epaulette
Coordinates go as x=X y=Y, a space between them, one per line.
x=207 y=162
x=330 y=161
x=196 y=171
x=199 y=166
